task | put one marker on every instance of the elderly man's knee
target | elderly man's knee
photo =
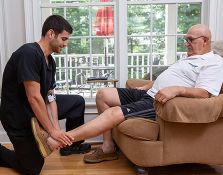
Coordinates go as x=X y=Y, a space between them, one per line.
x=100 y=94
x=116 y=114
x=116 y=111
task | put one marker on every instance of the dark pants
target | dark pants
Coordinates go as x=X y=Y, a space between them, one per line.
x=71 y=108
x=26 y=158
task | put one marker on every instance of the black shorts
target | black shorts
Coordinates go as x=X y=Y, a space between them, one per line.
x=136 y=103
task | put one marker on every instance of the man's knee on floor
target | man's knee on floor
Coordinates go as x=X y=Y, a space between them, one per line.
x=33 y=170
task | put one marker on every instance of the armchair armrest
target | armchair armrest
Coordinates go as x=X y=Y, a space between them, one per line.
x=132 y=83
x=191 y=110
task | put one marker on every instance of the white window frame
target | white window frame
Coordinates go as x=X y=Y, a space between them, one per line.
x=170 y=33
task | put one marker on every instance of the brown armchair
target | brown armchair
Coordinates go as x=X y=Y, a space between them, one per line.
x=187 y=130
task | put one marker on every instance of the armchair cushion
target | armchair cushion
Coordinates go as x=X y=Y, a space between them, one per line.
x=132 y=83
x=191 y=110
x=217 y=47
x=140 y=128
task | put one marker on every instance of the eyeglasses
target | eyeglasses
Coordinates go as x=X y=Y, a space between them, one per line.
x=189 y=40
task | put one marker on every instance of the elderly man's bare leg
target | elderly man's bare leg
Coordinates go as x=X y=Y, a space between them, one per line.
x=105 y=99
x=108 y=104
x=104 y=122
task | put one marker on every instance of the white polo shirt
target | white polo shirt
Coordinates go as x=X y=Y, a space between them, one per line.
x=200 y=71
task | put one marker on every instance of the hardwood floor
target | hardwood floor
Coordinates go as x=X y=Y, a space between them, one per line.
x=74 y=165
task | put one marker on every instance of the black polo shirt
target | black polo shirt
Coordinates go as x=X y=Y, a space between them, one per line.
x=26 y=63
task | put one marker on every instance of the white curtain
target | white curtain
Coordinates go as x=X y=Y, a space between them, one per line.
x=212 y=11
x=2 y=42
x=32 y=20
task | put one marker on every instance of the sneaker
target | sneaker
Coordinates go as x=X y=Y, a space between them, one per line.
x=41 y=138
x=98 y=156
x=75 y=149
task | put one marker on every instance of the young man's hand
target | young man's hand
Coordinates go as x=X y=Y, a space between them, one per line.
x=62 y=137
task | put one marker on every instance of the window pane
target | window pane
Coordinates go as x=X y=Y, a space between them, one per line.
x=79 y=19
x=103 y=21
x=138 y=44
x=137 y=72
x=138 y=64
x=181 y=49
x=155 y=32
x=159 y=18
x=138 y=19
x=102 y=1
x=52 y=1
x=78 y=60
x=188 y=15
x=60 y=60
x=78 y=46
x=77 y=1
x=104 y=48
x=57 y=11
x=64 y=1
x=158 y=52
x=79 y=83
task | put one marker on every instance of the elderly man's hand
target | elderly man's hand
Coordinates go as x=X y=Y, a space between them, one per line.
x=168 y=93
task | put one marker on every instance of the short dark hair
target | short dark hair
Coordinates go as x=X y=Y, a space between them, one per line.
x=57 y=23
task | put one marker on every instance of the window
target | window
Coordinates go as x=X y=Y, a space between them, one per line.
x=155 y=34
x=153 y=39
x=90 y=51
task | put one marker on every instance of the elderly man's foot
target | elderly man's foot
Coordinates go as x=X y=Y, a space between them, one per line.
x=98 y=156
x=41 y=137
x=53 y=144
x=75 y=149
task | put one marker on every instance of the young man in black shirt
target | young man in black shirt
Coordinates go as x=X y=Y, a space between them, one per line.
x=28 y=90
